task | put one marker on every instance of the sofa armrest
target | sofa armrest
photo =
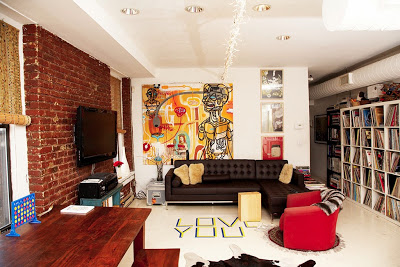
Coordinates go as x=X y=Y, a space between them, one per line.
x=168 y=184
x=297 y=178
x=303 y=199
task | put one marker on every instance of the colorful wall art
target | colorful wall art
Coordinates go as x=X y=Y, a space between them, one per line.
x=272 y=147
x=183 y=121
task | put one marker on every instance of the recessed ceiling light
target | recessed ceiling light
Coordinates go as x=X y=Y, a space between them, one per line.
x=194 y=9
x=283 y=37
x=130 y=11
x=261 y=7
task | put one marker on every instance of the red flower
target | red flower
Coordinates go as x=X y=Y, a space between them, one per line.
x=118 y=163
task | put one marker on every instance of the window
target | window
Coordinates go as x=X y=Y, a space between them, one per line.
x=5 y=178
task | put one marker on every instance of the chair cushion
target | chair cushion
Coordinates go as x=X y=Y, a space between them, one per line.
x=197 y=189
x=196 y=171
x=286 y=174
x=183 y=173
x=236 y=186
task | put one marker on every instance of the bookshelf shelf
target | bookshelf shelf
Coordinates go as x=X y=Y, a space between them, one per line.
x=370 y=157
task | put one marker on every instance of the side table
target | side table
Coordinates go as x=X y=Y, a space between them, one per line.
x=249 y=208
x=114 y=193
x=156 y=193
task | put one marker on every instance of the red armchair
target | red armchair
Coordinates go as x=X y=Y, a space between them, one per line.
x=307 y=227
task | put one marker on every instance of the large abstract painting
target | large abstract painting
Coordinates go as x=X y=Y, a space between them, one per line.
x=187 y=121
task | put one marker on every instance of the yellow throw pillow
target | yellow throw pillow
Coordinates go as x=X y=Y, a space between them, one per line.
x=196 y=172
x=286 y=173
x=183 y=173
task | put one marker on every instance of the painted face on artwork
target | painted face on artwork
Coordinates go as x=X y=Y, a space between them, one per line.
x=181 y=139
x=214 y=97
x=151 y=93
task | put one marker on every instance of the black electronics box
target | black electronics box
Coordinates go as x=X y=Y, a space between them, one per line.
x=97 y=185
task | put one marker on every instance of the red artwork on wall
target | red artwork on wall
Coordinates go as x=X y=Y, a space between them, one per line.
x=272 y=147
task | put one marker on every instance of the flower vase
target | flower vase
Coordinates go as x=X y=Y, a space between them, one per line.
x=159 y=171
x=119 y=172
x=124 y=167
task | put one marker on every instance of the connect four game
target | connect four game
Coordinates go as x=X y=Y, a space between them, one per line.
x=22 y=211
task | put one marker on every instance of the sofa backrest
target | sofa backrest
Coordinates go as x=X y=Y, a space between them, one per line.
x=236 y=168
x=269 y=169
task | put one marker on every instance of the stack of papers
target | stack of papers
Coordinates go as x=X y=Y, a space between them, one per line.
x=77 y=209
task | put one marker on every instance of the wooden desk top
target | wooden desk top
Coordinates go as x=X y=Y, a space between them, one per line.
x=99 y=238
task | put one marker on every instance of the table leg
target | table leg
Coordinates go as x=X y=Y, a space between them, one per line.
x=138 y=243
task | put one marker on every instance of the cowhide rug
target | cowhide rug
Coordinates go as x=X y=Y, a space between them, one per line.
x=240 y=258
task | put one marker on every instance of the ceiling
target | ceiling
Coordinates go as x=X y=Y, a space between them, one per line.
x=163 y=35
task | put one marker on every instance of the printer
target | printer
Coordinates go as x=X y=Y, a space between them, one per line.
x=97 y=185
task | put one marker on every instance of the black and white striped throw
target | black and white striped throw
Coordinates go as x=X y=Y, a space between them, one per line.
x=331 y=200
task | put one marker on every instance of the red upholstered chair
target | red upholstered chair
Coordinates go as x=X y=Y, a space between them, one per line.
x=307 y=227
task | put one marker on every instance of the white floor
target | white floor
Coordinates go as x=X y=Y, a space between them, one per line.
x=369 y=239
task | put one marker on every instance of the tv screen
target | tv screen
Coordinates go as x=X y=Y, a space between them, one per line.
x=96 y=135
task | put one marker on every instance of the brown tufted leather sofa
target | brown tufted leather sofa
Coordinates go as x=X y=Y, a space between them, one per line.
x=224 y=179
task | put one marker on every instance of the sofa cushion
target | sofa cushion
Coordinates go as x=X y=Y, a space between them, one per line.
x=196 y=171
x=269 y=169
x=286 y=174
x=183 y=173
x=234 y=187
x=176 y=182
x=237 y=169
x=216 y=178
x=197 y=189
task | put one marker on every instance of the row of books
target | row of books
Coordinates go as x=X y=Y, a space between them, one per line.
x=394 y=139
x=346 y=188
x=392 y=116
x=335 y=119
x=356 y=158
x=335 y=180
x=394 y=188
x=379 y=137
x=305 y=170
x=356 y=193
x=366 y=137
x=355 y=138
x=379 y=159
x=346 y=119
x=392 y=160
x=367 y=162
x=356 y=174
x=335 y=134
x=346 y=137
x=380 y=181
x=367 y=177
x=334 y=164
x=368 y=198
x=393 y=208
x=346 y=170
x=356 y=118
x=380 y=204
x=347 y=154
x=377 y=116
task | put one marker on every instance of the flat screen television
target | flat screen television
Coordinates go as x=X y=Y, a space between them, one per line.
x=95 y=135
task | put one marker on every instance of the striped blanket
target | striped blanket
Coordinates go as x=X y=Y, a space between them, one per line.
x=331 y=200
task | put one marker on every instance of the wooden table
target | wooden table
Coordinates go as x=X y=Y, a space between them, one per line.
x=99 y=238
x=249 y=206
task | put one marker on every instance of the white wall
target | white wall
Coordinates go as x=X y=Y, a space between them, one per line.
x=18 y=141
x=246 y=118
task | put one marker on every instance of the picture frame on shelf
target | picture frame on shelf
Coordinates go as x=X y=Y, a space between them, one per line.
x=321 y=129
x=272 y=147
x=271 y=84
x=272 y=117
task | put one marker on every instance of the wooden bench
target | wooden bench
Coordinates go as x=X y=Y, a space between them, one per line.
x=157 y=258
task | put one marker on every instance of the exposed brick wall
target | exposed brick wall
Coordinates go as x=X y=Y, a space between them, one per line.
x=127 y=119
x=58 y=78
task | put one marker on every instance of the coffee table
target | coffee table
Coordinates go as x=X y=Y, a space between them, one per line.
x=249 y=206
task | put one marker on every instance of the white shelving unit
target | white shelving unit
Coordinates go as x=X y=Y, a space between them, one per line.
x=370 y=157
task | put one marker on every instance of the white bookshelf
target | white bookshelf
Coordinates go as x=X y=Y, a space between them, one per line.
x=367 y=172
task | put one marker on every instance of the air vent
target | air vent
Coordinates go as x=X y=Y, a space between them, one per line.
x=346 y=79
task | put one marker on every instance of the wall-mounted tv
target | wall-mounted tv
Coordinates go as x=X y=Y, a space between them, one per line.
x=95 y=135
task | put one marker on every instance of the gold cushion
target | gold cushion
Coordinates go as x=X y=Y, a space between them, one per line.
x=183 y=173
x=196 y=171
x=286 y=173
